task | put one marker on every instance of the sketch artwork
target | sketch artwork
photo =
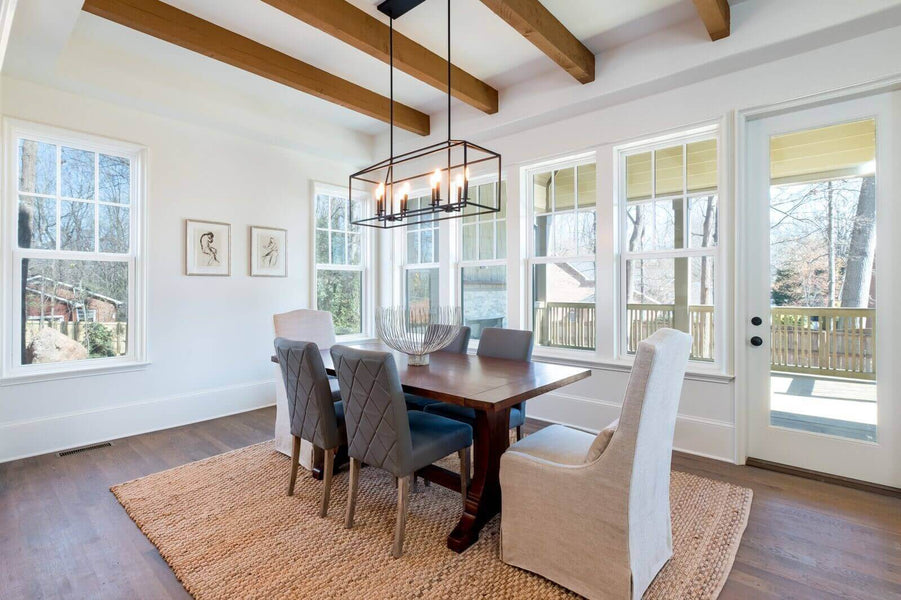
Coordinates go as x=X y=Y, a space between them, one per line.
x=207 y=248
x=268 y=252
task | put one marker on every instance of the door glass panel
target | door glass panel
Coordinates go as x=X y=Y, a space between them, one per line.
x=823 y=280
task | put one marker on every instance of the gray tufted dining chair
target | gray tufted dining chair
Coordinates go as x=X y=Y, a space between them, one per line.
x=383 y=434
x=314 y=415
x=495 y=342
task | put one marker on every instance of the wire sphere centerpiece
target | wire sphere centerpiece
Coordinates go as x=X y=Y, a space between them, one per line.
x=417 y=332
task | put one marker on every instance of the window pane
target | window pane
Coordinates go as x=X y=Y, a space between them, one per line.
x=484 y=298
x=422 y=289
x=341 y=293
x=470 y=213
x=413 y=220
x=322 y=247
x=544 y=241
x=413 y=247
x=671 y=292
x=356 y=213
x=700 y=309
x=469 y=242
x=486 y=241
x=339 y=249
x=565 y=237
x=339 y=214
x=114 y=228
x=322 y=211
x=502 y=239
x=701 y=165
x=564 y=189
x=115 y=177
x=426 y=253
x=541 y=193
x=503 y=212
x=354 y=249
x=587 y=234
x=668 y=171
x=76 y=226
x=702 y=220
x=77 y=173
x=37 y=223
x=74 y=310
x=638 y=227
x=638 y=176
x=587 y=176
x=37 y=167
x=487 y=198
x=668 y=224
x=563 y=297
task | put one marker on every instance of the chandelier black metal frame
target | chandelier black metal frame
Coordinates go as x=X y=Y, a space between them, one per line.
x=391 y=181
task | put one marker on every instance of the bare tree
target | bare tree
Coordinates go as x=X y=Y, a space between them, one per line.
x=861 y=248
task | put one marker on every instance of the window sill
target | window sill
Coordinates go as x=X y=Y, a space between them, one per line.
x=694 y=372
x=356 y=338
x=88 y=371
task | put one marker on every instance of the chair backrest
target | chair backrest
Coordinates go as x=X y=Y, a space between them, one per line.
x=642 y=445
x=512 y=344
x=460 y=344
x=375 y=412
x=304 y=324
x=311 y=409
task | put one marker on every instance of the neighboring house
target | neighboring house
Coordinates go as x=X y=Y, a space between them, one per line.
x=47 y=299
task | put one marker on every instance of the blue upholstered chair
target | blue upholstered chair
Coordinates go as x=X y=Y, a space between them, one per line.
x=382 y=434
x=460 y=345
x=314 y=413
x=509 y=344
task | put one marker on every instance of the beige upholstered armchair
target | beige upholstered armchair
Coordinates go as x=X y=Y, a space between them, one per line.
x=592 y=513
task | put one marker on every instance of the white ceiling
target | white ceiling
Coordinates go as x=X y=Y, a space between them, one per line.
x=482 y=44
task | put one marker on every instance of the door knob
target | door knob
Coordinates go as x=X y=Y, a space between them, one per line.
x=756 y=321
x=756 y=341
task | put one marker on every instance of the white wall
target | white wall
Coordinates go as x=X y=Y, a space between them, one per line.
x=209 y=337
x=707 y=413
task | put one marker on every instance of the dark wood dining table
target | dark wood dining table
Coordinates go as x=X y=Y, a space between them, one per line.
x=490 y=386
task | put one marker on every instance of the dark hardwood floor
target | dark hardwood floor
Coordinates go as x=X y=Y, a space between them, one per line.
x=63 y=535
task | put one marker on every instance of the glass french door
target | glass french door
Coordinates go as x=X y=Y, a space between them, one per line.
x=820 y=289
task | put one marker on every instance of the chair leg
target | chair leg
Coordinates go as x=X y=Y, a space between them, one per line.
x=518 y=432
x=328 y=469
x=464 y=472
x=353 y=484
x=295 y=459
x=403 y=498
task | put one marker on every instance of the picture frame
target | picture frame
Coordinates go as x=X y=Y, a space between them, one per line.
x=268 y=251
x=207 y=248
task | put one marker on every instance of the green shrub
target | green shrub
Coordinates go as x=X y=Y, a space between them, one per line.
x=99 y=341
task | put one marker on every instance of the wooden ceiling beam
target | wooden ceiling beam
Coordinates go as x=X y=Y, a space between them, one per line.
x=536 y=23
x=353 y=26
x=170 y=24
x=715 y=14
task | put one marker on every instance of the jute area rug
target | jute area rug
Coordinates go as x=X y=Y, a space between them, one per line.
x=228 y=530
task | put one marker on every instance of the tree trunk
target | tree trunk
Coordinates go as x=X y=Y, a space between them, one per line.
x=861 y=249
x=707 y=234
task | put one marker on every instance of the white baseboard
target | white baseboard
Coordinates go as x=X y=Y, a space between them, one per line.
x=694 y=435
x=21 y=439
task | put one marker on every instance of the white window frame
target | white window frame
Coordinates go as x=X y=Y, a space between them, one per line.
x=11 y=368
x=366 y=254
x=704 y=133
x=531 y=260
x=461 y=263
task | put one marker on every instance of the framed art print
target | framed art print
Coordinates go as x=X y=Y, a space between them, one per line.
x=207 y=248
x=268 y=252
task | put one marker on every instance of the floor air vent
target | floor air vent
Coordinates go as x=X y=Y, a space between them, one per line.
x=84 y=449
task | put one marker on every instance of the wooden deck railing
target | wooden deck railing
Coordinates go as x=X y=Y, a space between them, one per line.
x=837 y=342
x=824 y=341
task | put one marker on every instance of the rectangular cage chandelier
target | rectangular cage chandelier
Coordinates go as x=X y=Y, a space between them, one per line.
x=434 y=183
